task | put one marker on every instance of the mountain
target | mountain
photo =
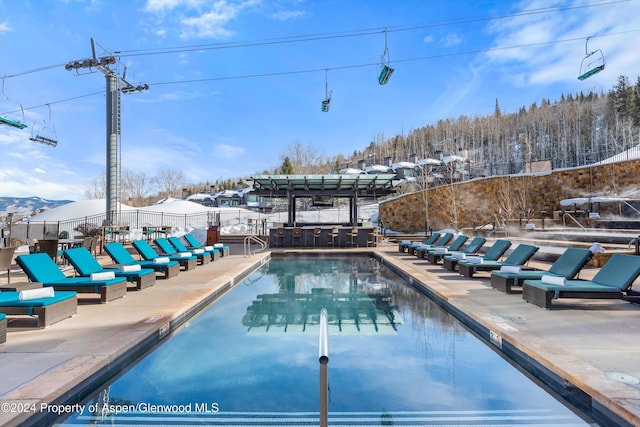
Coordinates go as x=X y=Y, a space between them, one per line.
x=24 y=206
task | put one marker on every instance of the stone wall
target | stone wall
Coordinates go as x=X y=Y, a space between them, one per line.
x=496 y=199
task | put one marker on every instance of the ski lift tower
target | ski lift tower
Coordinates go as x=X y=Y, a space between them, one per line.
x=115 y=85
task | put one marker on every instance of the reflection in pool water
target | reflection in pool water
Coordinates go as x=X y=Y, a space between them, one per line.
x=252 y=359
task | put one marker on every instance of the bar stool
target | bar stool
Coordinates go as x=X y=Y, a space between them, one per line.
x=334 y=237
x=353 y=235
x=372 y=240
x=280 y=237
x=6 y=258
x=296 y=237
x=317 y=233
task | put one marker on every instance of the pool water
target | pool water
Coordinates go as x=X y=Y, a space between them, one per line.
x=395 y=358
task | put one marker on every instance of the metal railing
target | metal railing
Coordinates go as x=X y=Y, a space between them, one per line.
x=26 y=230
x=247 y=244
x=564 y=220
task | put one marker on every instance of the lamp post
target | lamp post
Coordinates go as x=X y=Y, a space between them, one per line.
x=115 y=85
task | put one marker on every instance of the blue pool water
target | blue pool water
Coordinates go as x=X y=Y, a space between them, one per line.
x=395 y=358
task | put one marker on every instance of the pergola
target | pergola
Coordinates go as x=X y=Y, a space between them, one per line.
x=323 y=188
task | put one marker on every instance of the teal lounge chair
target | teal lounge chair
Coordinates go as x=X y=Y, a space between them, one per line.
x=167 y=249
x=3 y=328
x=568 y=265
x=120 y=255
x=149 y=254
x=39 y=267
x=404 y=245
x=205 y=257
x=48 y=310
x=193 y=243
x=442 y=241
x=613 y=281
x=494 y=253
x=457 y=243
x=86 y=265
x=434 y=256
x=519 y=257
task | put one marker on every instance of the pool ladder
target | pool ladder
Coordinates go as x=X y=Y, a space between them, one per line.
x=254 y=239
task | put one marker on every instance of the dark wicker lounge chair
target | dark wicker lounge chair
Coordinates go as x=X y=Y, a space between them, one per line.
x=613 y=281
x=404 y=245
x=519 y=257
x=494 y=253
x=457 y=243
x=567 y=265
x=417 y=246
x=434 y=257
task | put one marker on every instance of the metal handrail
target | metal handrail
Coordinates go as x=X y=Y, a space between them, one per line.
x=564 y=222
x=323 y=358
x=255 y=239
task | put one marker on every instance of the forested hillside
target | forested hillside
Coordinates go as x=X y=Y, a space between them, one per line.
x=574 y=130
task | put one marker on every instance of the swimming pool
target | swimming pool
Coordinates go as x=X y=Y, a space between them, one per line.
x=252 y=359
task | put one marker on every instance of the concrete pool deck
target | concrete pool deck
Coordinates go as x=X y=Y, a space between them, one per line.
x=589 y=344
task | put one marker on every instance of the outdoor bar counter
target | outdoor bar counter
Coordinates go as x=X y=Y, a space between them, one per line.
x=286 y=236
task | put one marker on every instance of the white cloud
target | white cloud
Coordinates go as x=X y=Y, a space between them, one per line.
x=227 y=151
x=287 y=15
x=165 y=5
x=451 y=40
x=18 y=182
x=548 y=48
x=457 y=89
x=428 y=39
x=196 y=18
x=5 y=27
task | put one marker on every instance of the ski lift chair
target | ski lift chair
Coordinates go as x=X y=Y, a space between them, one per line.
x=592 y=63
x=45 y=133
x=385 y=74
x=325 y=105
x=327 y=94
x=385 y=70
x=12 y=122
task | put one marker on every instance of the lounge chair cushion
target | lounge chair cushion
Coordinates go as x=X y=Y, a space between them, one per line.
x=39 y=267
x=12 y=299
x=615 y=276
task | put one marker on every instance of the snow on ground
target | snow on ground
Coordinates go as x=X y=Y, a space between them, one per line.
x=236 y=221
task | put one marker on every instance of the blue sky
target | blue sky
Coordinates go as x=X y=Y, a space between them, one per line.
x=234 y=83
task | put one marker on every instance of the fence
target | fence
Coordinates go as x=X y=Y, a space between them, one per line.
x=27 y=230
x=245 y=221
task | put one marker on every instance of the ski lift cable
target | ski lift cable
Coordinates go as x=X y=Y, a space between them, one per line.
x=321 y=36
x=344 y=67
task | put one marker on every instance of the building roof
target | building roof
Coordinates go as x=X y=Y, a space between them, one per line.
x=360 y=185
